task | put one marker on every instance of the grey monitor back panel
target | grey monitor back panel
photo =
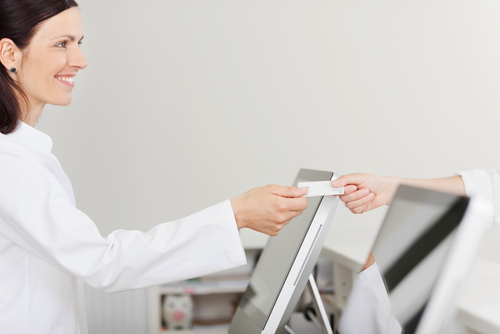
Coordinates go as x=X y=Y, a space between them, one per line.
x=412 y=247
x=271 y=278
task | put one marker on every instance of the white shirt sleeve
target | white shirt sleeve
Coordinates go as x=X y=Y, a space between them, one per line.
x=368 y=309
x=36 y=215
x=485 y=184
x=477 y=183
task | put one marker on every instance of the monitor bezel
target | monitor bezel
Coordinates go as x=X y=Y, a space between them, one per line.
x=442 y=303
x=301 y=268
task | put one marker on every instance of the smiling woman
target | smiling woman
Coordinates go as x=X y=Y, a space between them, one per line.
x=50 y=62
x=19 y=23
x=48 y=248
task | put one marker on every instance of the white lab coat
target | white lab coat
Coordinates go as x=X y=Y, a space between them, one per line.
x=368 y=309
x=48 y=247
x=485 y=184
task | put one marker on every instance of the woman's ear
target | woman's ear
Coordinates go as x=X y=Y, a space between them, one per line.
x=9 y=54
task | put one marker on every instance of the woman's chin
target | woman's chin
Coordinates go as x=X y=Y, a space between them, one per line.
x=62 y=102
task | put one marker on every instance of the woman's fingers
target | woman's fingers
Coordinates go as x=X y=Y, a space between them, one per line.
x=296 y=204
x=353 y=196
x=268 y=209
x=359 y=209
x=285 y=191
x=349 y=189
x=382 y=188
x=356 y=178
x=359 y=206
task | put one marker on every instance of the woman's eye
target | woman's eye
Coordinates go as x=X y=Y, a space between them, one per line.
x=61 y=45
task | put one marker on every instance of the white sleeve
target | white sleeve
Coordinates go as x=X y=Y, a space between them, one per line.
x=368 y=309
x=485 y=184
x=36 y=214
x=477 y=183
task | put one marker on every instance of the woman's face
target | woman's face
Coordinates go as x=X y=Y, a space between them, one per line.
x=52 y=59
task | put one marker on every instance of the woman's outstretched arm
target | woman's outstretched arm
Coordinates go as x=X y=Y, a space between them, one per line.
x=365 y=192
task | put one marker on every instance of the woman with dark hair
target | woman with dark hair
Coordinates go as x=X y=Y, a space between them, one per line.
x=47 y=246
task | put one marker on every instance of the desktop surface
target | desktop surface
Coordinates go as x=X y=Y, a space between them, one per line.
x=479 y=305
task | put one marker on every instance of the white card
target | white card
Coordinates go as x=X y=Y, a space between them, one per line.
x=320 y=188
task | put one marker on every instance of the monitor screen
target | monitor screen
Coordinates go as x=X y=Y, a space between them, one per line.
x=277 y=259
x=412 y=246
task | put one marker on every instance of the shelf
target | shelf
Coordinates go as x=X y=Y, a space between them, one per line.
x=204 y=288
x=210 y=289
x=192 y=331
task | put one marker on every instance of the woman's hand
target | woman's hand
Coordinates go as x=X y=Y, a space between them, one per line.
x=268 y=209
x=365 y=192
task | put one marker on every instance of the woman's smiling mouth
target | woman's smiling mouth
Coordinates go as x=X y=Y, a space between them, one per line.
x=67 y=80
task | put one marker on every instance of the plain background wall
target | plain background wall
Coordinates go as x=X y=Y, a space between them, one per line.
x=187 y=103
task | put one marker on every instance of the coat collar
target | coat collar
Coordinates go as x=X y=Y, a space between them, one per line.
x=32 y=139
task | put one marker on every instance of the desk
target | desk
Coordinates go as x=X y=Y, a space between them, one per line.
x=479 y=305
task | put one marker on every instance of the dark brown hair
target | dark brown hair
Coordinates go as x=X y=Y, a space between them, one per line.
x=19 y=21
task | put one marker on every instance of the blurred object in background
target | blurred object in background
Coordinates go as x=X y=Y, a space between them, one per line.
x=178 y=311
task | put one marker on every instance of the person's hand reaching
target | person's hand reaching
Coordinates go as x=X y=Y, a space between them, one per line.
x=268 y=209
x=365 y=192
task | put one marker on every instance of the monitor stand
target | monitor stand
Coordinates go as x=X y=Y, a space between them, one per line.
x=322 y=319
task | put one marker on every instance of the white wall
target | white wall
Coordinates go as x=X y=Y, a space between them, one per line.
x=187 y=103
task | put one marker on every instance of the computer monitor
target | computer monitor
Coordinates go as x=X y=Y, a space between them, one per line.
x=285 y=264
x=424 y=249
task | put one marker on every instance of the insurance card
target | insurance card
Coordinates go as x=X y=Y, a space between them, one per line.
x=320 y=188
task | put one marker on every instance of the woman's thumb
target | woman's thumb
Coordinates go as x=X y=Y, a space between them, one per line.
x=347 y=179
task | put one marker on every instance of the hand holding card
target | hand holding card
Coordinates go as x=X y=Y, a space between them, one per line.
x=320 y=188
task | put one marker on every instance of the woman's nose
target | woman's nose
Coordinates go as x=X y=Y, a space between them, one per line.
x=77 y=59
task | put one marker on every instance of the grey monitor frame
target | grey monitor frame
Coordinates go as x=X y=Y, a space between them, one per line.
x=297 y=276
x=425 y=229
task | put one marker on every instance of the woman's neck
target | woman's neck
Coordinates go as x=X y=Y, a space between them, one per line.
x=32 y=116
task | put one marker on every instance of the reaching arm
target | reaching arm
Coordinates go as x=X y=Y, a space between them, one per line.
x=365 y=192
x=268 y=209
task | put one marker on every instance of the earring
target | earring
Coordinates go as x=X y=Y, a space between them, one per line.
x=13 y=69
